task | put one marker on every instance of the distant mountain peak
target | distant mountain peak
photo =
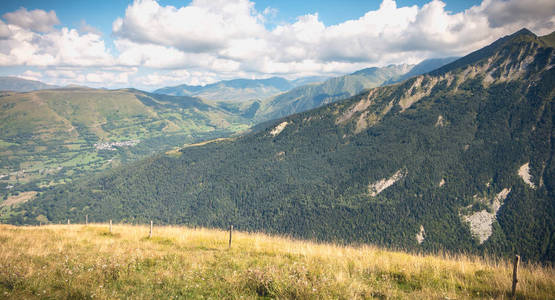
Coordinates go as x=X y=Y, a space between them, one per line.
x=523 y=31
x=496 y=51
x=401 y=68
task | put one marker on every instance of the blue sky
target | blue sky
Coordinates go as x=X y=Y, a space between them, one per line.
x=148 y=44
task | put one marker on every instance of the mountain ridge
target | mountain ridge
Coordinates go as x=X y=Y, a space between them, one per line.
x=308 y=97
x=235 y=90
x=16 y=84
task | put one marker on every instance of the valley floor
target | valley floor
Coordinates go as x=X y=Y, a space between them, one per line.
x=86 y=261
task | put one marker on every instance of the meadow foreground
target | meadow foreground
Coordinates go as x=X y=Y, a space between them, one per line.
x=86 y=261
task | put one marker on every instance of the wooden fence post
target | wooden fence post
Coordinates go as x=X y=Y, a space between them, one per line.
x=86 y=219
x=150 y=234
x=67 y=221
x=230 y=232
x=515 y=279
x=110 y=226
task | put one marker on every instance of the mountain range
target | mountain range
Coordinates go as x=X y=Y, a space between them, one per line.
x=44 y=145
x=16 y=84
x=236 y=90
x=457 y=159
x=277 y=97
x=311 y=96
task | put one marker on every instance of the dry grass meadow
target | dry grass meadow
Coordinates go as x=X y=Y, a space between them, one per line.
x=87 y=262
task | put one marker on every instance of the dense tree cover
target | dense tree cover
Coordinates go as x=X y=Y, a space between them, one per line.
x=312 y=179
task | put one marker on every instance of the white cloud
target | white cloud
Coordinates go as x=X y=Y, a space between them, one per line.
x=103 y=77
x=210 y=40
x=176 y=77
x=92 y=76
x=229 y=36
x=204 y=25
x=30 y=75
x=61 y=74
x=156 y=79
x=4 y=30
x=86 y=28
x=270 y=12
x=502 y=13
x=22 y=46
x=36 y=20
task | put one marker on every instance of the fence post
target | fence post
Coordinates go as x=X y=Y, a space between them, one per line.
x=86 y=219
x=230 y=233
x=67 y=221
x=150 y=234
x=110 y=226
x=515 y=279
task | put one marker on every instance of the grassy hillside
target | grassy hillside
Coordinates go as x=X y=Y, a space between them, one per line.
x=52 y=136
x=86 y=261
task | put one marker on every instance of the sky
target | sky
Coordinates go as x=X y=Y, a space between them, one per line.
x=149 y=44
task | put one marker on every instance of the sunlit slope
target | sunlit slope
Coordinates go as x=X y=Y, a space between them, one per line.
x=46 y=132
x=86 y=261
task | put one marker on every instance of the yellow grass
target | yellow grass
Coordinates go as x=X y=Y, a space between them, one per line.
x=85 y=261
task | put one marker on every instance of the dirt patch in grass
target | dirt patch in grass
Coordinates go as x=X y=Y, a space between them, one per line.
x=21 y=198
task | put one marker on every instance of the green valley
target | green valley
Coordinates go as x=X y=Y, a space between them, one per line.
x=50 y=137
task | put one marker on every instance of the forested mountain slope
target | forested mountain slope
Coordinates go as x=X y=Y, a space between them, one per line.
x=460 y=159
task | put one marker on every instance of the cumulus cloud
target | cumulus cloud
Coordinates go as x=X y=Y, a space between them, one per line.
x=157 y=79
x=221 y=39
x=21 y=46
x=61 y=74
x=86 y=28
x=94 y=77
x=501 y=13
x=36 y=20
x=4 y=30
x=230 y=35
x=204 y=25
x=102 y=77
x=30 y=75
